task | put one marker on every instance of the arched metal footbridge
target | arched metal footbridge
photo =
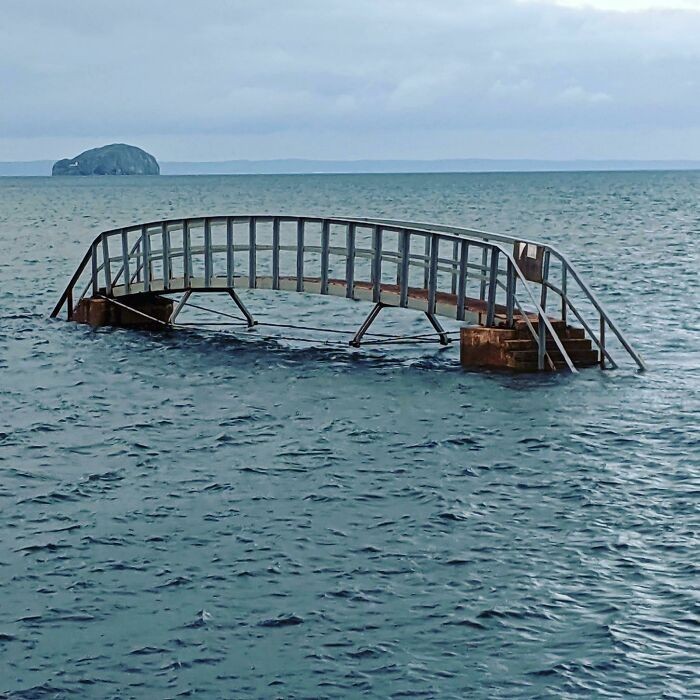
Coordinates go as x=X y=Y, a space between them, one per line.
x=481 y=279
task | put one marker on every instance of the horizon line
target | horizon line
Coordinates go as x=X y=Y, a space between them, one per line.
x=487 y=159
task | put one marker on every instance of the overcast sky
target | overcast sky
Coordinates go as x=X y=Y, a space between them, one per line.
x=344 y=79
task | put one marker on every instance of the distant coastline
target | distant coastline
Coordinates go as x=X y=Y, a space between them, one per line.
x=303 y=166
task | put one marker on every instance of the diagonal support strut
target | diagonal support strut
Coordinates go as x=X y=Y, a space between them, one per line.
x=179 y=306
x=356 y=341
x=242 y=308
x=444 y=338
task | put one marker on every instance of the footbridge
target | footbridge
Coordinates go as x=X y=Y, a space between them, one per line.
x=517 y=299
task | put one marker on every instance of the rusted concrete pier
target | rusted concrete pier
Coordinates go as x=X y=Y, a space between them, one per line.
x=152 y=312
x=514 y=349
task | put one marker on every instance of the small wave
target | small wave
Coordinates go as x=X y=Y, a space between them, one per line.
x=105 y=476
x=52 y=497
x=147 y=651
x=39 y=692
x=455 y=517
x=175 y=582
x=466 y=622
x=282 y=621
x=202 y=619
x=44 y=547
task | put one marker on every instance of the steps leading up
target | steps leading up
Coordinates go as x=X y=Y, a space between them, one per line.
x=516 y=349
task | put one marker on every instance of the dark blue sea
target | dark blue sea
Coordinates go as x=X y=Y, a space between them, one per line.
x=215 y=515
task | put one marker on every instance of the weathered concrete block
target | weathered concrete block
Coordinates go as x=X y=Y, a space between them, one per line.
x=97 y=311
x=155 y=306
x=485 y=347
x=94 y=312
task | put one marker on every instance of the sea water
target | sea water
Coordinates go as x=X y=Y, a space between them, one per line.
x=208 y=514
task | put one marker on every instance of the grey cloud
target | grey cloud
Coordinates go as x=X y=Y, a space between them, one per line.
x=78 y=68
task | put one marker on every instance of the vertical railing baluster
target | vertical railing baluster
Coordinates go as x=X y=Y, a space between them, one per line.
x=208 y=258
x=229 y=253
x=484 y=272
x=493 y=288
x=541 y=341
x=510 y=293
x=455 y=265
x=276 y=253
x=426 y=263
x=125 y=261
x=167 y=262
x=564 y=304
x=376 y=264
x=466 y=269
x=300 y=255
x=252 y=258
x=350 y=262
x=399 y=256
x=545 y=278
x=602 y=341
x=325 y=244
x=139 y=261
x=432 y=272
x=405 y=248
x=146 y=247
x=187 y=253
x=462 y=286
x=106 y=265
x=95 y=281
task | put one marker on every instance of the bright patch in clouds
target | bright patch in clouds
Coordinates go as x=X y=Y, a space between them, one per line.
x=628 y=5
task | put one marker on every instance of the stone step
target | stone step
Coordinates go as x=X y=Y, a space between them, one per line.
x=560 y=328
x=580 y=358
x=516 y=349
x=570 y=344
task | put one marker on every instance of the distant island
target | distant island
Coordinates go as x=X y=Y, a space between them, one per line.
x=115 y=159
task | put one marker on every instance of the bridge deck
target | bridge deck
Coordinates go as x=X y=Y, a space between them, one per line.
x=446 y=303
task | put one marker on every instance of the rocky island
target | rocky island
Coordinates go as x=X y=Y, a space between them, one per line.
x=115 y=159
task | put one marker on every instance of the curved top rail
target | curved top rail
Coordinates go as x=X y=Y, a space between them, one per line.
x=450 y=231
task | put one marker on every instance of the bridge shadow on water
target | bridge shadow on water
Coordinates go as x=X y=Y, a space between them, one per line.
x=206 y=350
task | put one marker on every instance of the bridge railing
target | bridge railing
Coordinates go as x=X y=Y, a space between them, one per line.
x=552 y=271
x=461 y=273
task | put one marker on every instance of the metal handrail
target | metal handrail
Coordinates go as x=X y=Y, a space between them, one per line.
x=567 y=266
x=541 y=316
x=458 y=267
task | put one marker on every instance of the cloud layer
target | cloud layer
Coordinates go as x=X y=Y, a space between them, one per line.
x=349 y=78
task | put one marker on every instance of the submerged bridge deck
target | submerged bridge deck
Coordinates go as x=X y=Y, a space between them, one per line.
x=483 y=280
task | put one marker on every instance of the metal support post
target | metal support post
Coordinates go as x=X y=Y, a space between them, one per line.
x=444 y=338
x=510 y=294
x=355 y=342
x=242 y=308
x=493 y=288
x=541 y=342
x=178 y=307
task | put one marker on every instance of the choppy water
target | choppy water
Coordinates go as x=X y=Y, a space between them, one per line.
x=194 y=514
